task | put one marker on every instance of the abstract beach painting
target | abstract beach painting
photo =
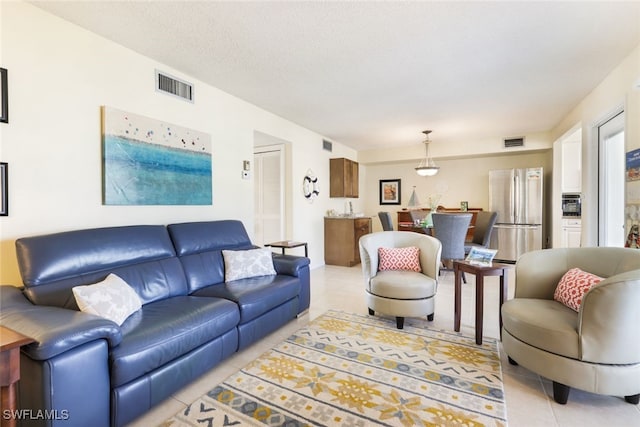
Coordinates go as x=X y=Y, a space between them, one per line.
x=152 y=162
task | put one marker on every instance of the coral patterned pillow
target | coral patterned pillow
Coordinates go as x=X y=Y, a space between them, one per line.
x=399 y=259
x=572 y=287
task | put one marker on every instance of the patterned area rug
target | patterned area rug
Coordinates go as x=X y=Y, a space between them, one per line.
x=356 y=370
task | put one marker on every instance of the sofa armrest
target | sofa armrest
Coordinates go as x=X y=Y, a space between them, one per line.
x=296 y=266
x=609 y=318
x=55 y=330
x=289 y=264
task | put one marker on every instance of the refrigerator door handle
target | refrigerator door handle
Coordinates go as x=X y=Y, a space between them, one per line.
x=516 y=217
x=512 y=198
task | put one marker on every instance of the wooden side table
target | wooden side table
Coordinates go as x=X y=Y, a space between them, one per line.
x=289 y=244
x=10 y=343
x=479 y=271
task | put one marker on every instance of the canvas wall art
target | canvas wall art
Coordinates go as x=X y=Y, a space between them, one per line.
x=152 y=162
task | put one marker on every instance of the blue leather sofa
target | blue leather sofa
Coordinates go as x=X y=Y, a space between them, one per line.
x=88 y=371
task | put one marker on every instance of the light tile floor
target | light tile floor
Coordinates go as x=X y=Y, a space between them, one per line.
x=529 y=397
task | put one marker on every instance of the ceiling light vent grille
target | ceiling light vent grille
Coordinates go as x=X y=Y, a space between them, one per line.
x=173 y=86
x=513 y=142
x=327 y=145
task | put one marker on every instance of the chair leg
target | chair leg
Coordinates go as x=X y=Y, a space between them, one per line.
x=634 y=400
x=561 y=393
x=430 y=317
x=400 y=322
x=511 y=361
x=464 y=278
x=371 y=312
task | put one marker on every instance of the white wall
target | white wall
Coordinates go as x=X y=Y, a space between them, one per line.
x=619 y=90
x=458 y=180
x=60 y=75
x=447 y=149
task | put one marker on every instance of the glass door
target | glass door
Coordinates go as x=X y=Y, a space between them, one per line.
x=611 y=182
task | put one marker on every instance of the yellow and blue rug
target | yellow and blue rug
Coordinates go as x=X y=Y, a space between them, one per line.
x=357 y=370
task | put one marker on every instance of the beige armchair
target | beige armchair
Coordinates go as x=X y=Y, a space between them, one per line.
x=596 y=349
x=400 y=293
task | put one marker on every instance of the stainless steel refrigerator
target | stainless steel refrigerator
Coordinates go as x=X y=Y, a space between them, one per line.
x=516 y=195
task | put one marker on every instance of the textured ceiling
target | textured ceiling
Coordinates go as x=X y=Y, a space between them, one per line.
x=375 y=74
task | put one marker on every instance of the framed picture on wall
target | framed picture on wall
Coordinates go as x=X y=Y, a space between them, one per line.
x=390 y=192
x=4 y=96
x=4 y=189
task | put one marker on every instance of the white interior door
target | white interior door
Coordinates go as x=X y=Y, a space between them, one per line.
x=269 y=194
x=611 y=182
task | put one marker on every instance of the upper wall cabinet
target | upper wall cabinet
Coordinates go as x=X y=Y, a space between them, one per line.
x=343 y=178
x=571 y=166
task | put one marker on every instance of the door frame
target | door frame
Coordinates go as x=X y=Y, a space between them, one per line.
x=261 y=139
x=280 y=149
x=599 y=150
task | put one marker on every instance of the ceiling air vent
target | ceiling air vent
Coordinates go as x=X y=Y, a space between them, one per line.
x=513 y=142
x=327 y=145
x=173 y=86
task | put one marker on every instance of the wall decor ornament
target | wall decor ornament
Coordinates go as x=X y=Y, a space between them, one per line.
x=152 y=162
x=4 y=96
x=310 y=187
x=390 y=191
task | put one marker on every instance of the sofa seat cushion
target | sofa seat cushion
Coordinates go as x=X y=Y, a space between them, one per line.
x=164 y=330
x=255 y=295
x=402 y=284
x=545 y=324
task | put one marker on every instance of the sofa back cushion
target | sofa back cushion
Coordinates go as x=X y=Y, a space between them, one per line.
x=199 y=247
x=51 y=265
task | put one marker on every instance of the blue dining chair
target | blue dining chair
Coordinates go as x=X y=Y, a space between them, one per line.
x=386 y=221
x=451 y=229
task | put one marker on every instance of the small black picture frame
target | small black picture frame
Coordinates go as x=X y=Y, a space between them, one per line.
x=4 y=96
x=390 y=191
x=4 y=189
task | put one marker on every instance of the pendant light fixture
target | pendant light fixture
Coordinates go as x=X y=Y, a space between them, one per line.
x=427 y=167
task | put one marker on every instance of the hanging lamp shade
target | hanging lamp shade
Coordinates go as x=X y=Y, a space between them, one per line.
x=427 y=166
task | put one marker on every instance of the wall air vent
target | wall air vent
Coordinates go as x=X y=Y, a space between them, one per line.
x=327 y=145
x=173 y=86
x=513 y=142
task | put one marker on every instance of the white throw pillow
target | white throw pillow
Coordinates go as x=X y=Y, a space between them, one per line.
x=112 y=299
x=249 y=263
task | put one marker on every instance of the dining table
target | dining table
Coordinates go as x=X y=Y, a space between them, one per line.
x=428 y=230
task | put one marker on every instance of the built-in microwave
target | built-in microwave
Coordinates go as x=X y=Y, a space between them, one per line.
x=571 y=205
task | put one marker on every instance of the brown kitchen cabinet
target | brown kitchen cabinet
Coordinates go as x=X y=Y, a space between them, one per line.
x=341 y=237
x=343 y=178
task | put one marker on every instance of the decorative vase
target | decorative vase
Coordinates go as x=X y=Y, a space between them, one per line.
x=428 y=220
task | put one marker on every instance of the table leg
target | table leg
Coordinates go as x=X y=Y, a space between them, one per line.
x=9 y=403
x=503 y=294
x=306 y=251
x=479 y=306
x=457 y=299
x=9 y=376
